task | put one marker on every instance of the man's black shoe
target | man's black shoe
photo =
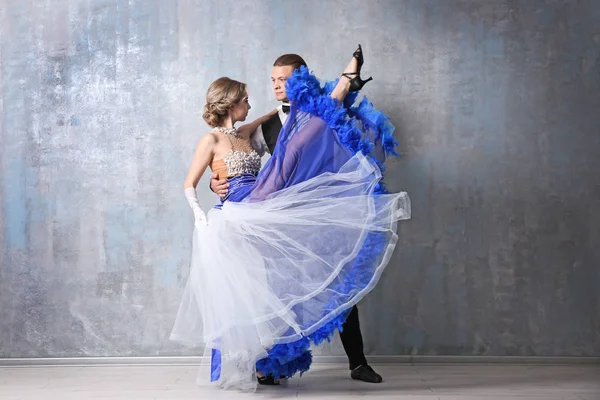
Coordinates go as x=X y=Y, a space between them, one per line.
x=366 y=374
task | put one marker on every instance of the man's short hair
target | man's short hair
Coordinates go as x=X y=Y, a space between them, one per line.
x=293 y=60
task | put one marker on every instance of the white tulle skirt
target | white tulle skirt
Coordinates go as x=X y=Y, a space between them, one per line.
x=275 y=270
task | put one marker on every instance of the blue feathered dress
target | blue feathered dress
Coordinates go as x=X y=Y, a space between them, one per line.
x=291 y=251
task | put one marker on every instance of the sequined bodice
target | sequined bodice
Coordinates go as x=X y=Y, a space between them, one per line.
x=242 y=162
x=241 y=159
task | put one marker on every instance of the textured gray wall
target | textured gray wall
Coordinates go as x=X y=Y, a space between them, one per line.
x=496 y=107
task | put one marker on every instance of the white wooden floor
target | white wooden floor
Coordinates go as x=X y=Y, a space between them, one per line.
x=414 y=382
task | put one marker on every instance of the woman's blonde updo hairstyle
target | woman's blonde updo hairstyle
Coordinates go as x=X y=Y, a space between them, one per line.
x=221 y=95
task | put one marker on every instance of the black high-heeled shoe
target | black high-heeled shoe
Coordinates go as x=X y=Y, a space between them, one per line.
x=357 y=83
x=268 y=380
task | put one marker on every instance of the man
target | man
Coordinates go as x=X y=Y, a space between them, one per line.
x=264 y=140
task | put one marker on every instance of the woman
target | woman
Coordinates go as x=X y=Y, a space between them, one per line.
x=292 y=247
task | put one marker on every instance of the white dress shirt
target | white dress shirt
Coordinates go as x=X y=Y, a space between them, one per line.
x=258 y=139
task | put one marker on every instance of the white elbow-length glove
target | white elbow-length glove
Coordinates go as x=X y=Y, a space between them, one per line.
x=199 y=215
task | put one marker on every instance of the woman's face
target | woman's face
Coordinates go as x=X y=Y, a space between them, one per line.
x=240 y=110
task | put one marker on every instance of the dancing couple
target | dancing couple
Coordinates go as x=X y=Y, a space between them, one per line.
x=282 y=261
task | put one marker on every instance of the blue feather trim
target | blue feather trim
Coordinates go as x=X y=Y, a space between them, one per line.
x=350 y=123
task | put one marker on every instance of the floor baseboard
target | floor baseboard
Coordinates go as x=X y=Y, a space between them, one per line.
x=375 y=360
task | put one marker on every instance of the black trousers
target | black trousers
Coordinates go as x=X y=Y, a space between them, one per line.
x=352 y=340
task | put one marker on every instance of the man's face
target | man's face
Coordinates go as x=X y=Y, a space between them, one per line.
x=278 y=78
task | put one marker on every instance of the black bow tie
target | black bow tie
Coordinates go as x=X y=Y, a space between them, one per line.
x=285 y=108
